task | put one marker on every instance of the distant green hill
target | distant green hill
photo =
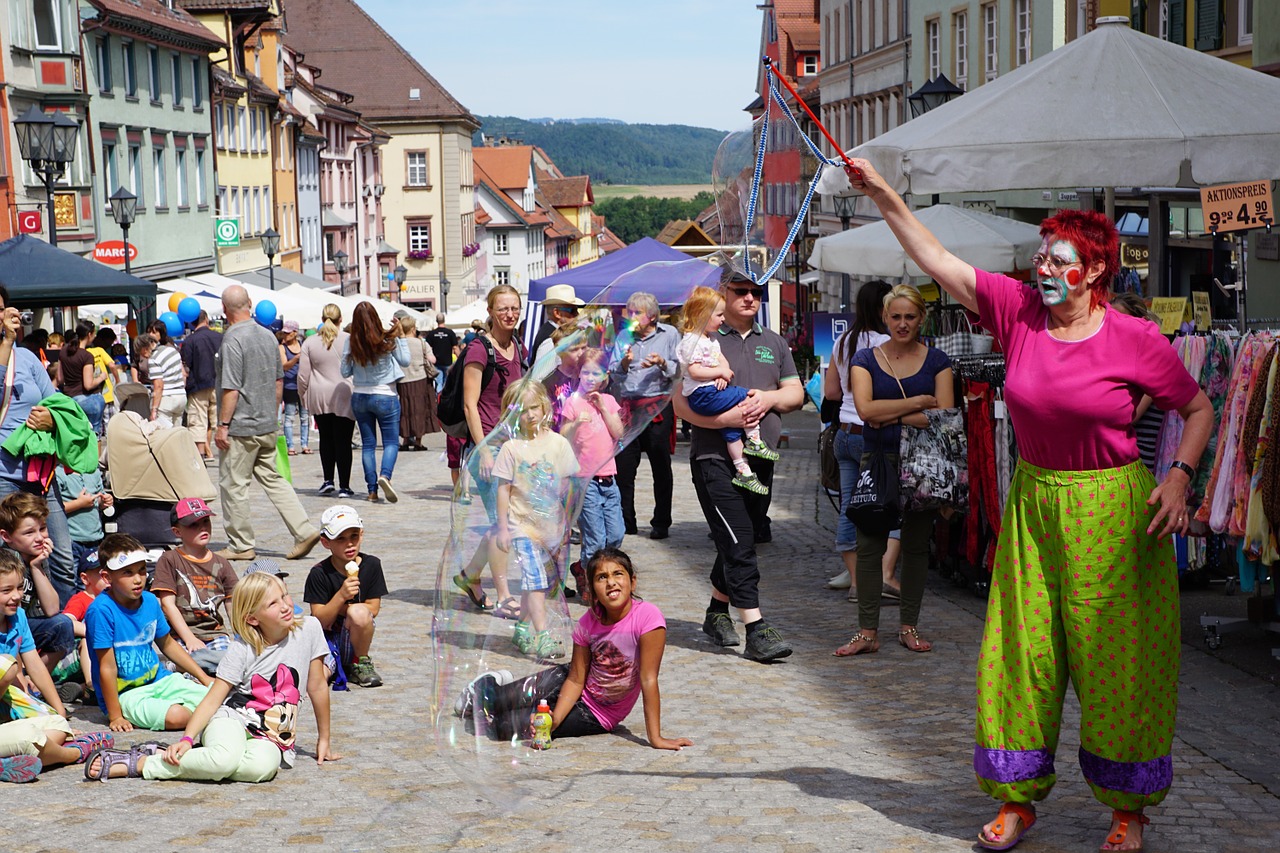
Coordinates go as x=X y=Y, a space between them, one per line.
x=615 y=153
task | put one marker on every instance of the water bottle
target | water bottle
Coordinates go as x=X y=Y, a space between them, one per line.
x=541 y=720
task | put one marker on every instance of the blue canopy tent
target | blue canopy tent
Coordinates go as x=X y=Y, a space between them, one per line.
x=38 y=275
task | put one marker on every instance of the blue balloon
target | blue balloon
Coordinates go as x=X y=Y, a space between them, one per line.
x=172 y=324
x=265 y=312
x=188 y=310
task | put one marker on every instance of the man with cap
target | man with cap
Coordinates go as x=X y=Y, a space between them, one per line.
x=761 y=361
x=250 y=390
x=560 y=306
x=192 y=582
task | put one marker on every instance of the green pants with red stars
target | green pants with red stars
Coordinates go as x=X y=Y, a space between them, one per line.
x=1079 y=590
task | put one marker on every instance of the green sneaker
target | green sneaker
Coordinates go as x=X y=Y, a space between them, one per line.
x=523 y=637
x=760 y=450
x=364 y=674
x=751 y=483
x=547 y=647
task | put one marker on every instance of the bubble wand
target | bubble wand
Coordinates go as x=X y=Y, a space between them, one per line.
x=835 y=146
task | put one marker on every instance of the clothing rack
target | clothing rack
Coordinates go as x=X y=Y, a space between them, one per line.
x=988 y=368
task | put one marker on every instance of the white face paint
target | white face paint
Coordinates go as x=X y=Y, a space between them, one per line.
x=1058 y=271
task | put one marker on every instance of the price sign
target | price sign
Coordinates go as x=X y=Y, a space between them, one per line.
x=1237 y=207
x=1170 y=310
x=1200 y=308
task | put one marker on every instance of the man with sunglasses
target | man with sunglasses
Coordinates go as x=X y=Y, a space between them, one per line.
x=560 y=306
x=761 y=361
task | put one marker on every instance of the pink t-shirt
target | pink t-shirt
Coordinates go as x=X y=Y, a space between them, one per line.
x=613 y=676
x=591 y=440
x=1072 y=402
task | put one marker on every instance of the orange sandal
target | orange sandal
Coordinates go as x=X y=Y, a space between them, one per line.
x=1024 y=813
x=1123 y=819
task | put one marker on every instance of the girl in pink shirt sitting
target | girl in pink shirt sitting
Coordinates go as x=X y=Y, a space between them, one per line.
x=617 y=651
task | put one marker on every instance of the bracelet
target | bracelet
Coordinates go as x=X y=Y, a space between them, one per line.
x=1184 y=468
x=188 y=739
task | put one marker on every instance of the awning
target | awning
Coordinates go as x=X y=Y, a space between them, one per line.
x=284 y=278
x=385 y=248
x=329 y=219
x=39 y=275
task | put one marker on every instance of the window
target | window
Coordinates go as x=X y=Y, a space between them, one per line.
x=135 y=170
x=197 y=86
x=810 y=65
x=110 y=173
x=162 y=190
x=219 y=128
x=1021 y=33
x=501 y=275
x=420 y=238
x=264 y=129
x=256 y=211
x=253 y=130
x=1244 y=19
x=48 y=24
x=176 y=65
x=130 y=70
x=153 y=72
x=990 y=44
x=234 y=208
x=242 y=129
x=935 y=59
x=202 y=188
x=180 y=176
x=500 y=246
x=103 y=49
x=416 y=162
x=960 y=24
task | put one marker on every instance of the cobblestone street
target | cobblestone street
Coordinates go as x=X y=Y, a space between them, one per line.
x=815 y=753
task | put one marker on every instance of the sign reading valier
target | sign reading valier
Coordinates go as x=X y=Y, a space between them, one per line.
x=1237 y=207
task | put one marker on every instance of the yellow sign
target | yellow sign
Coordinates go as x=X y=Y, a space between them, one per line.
x=1237 y=207
x=930 y=292
x=1200 y=307
x=1170 y=310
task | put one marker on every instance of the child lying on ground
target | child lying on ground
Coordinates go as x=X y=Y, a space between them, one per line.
x=247 y=722
x=617 y=651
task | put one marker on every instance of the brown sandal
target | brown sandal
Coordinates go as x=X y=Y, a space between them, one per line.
x=848 y=650
x=911 y=639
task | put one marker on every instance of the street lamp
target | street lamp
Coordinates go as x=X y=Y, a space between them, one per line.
x=846 y=206
x=398 y=275
x=124 y=207
x=340 y=266
x=48 y=144
x=271 y=245
x=444 y=294
x=933 y=94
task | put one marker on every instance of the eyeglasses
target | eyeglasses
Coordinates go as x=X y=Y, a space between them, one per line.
x=1054 y=264
x=755 y=292
x=510 y=310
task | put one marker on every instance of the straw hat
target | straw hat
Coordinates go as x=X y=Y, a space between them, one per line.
x=561 y=294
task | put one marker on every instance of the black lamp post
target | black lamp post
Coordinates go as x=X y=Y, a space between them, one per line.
x=444 y=294
x=271 y=245
x=48 y=144
x=846 y=206
x=124 y=207
x=398 y=275
x=340 y=266
x=933 y=94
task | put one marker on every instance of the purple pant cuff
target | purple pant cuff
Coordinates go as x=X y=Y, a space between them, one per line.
x=1012 y=765
x=1130 y=777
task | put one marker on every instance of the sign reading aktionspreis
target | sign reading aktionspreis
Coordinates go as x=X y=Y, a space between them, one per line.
x=1237 y=207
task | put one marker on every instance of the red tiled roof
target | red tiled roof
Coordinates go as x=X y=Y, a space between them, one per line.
x=358 y=56
x=610 y=242
x=507 y=166
x=231 y=5
x=558 y=225
x=154 y=19
x=483 y=178
x=481 y=217
x=567 y=192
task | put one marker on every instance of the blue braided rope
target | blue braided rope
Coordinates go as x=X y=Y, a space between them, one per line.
x=755 y=184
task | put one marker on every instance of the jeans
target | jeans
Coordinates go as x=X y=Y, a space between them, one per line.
x=601 y=518
x=848 y=455
x=377 y=413
x=61 y=567
x=304 y=422
x=93 y=405
x=440 y=377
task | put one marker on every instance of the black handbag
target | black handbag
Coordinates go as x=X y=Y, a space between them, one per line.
x=829 y=467
x=874 y=505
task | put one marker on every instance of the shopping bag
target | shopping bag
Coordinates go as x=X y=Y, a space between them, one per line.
x=283 y=468
x=964 y=339
x=874 y=506
x=933 y=463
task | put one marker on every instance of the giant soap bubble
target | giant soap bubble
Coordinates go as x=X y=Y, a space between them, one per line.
x=548 y=458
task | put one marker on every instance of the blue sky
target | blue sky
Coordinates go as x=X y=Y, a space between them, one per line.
x=655 y=61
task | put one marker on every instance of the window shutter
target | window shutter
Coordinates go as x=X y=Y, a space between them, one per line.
x=1178 y=22
x=1209 y=25
x=1138 y=15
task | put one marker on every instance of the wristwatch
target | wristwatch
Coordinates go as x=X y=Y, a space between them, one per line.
x=1184 y=468
x=224 y=424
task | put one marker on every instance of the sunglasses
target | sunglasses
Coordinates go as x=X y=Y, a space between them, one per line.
x=747 y=291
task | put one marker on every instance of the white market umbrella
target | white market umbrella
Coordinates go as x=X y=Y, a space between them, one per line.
x=983 y=240
x=1113 y=108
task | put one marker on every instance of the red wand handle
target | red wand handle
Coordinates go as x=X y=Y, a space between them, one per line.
x=834 y=145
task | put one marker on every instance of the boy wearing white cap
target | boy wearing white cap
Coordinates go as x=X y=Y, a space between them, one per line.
x=345 y=593
x=123 y=626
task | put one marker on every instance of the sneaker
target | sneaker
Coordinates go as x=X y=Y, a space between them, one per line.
x=840 y=581
x=522 y=637
x=20 y=768
x=765 y=644
x=346 y=493
x=70 y=691
x=365 y=675
x=385 y=484
x=719 y=627
x=326 y=488
x=751 y=483
x=760 y=450
x=464 y=704
x=547 y=647
x=575 y=536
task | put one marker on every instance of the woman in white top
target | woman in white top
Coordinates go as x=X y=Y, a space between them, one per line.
x=868 y=330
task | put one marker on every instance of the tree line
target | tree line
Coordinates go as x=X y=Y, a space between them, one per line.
x=645 y=216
